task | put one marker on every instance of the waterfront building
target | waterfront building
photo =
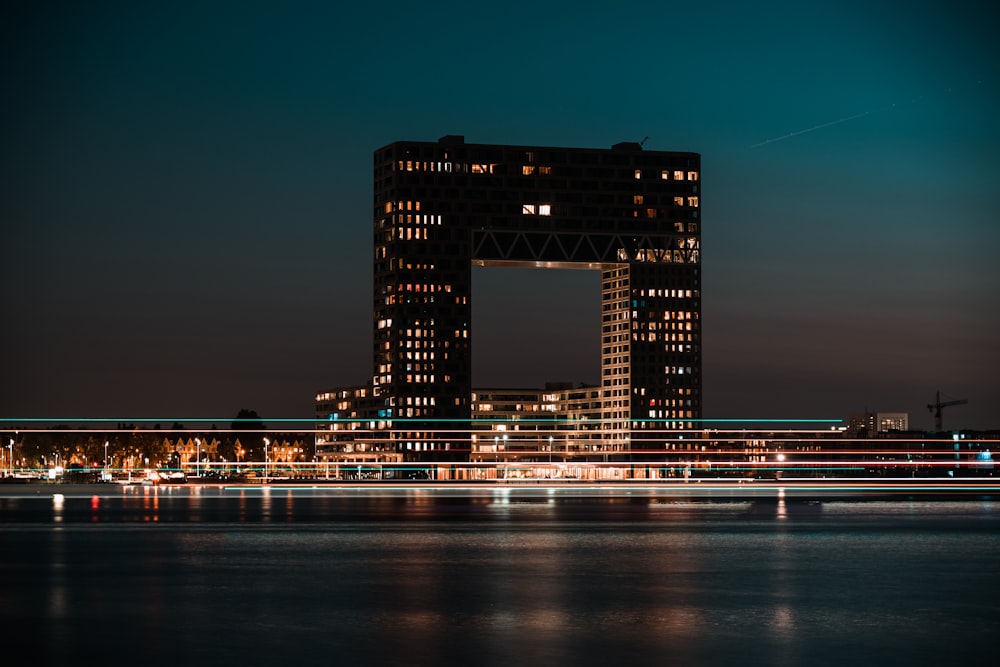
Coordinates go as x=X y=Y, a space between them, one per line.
x=442 y=207
x=559 y=421
x=508 y=424
x=345 y=423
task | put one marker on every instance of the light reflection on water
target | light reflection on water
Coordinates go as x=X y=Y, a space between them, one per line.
x=256 y=577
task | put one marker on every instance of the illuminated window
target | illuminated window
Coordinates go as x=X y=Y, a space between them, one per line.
x=665 y=175
x=528 y=209
x=678 y=175
x=638 y=174
x=692 y=175
x=527 y=170
x=544 y=209
x=545 y=171
x=637 y=199
x=692 y=201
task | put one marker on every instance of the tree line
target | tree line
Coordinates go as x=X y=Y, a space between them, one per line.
x=135 y=445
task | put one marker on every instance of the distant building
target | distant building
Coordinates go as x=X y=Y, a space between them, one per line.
x=442 y=207
x=874 y=424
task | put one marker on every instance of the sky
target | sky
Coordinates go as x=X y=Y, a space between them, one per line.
x=186 y=194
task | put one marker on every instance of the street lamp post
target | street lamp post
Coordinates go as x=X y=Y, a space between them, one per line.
x=266 y=459
x=197 y=456
x=504 y=448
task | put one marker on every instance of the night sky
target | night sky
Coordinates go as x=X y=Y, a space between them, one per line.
x=186 y=194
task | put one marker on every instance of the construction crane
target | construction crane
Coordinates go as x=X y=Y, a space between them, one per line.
x=936 y=406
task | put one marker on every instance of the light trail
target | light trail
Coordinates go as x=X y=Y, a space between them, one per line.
x=504 y=491
x=811 y=129
x=967 y=87
x=704 y=487
x=493 y=451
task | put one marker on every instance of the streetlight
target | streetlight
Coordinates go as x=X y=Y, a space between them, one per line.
x=197 y=456
x=266 y=459
x=505 y=449
x=105 y=456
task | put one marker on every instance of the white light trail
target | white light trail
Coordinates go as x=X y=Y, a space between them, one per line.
x=810 y=129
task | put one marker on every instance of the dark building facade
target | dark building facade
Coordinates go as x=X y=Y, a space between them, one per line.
x=442 y=207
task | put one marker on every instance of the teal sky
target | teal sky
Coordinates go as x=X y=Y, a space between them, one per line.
x=186 y=194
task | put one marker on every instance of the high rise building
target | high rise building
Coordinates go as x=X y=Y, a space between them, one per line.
x=442 y=207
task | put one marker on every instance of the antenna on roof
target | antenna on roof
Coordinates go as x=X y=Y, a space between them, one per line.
x=643 y=142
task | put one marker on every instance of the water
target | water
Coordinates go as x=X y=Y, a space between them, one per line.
x=484 y=578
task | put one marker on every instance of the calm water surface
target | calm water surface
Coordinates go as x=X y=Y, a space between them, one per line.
x=493 y=579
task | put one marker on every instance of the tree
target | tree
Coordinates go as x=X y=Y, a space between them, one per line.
x=250 y=430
